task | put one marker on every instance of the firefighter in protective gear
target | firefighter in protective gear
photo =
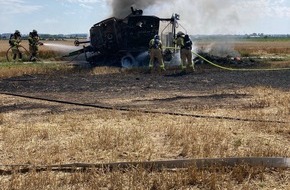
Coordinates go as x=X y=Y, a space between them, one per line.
x=33 y=40
x=185 y=44
x=155 y=50
x=15 y=42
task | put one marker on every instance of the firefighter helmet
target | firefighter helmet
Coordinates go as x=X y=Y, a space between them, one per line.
x=186 y=37
x=179 y=34
x=156 y=37
x=17 y=32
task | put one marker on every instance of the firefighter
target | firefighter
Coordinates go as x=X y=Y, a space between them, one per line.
x=15 y=42
x=33 y=40
x=155 y=50
x=185 y=44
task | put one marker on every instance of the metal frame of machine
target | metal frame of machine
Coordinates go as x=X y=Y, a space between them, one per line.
x=120 y=42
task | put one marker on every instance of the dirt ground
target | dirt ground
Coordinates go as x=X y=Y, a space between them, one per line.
x=81 y=115
x=214 y=92
x=218 y=113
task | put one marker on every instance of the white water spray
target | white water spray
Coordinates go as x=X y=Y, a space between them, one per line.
x=61 y=48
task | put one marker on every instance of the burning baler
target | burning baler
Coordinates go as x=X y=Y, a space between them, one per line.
x=124 y=42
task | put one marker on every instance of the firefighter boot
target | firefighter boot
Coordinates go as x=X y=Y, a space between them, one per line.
x=182 y=66
x=150 y=65
x=14 y=57
x=192 y=67
x=162 y=67
x=20 y=57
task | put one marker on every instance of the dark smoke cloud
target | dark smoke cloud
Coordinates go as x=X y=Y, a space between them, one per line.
x=121 y=8
x=203 y=16
x=198 y=16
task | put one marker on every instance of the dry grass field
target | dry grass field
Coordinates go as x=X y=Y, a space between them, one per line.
x=51 y=50
x=245 y=114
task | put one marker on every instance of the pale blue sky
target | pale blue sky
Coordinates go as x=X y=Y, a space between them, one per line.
x=197 y=16
x=50 y=16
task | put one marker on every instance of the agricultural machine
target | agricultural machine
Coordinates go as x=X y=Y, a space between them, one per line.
x=124 y=42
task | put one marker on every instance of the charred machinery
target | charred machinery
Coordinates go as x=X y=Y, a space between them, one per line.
x=124 y=42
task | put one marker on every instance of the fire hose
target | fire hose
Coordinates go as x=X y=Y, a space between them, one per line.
x=105 y=107
x=21 y=47
x=238 y=69
x=201 y=163
x=229 y=68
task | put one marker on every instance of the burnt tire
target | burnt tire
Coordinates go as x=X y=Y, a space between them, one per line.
x=128 y=62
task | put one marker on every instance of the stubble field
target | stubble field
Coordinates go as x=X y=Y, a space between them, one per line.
x=210 y=113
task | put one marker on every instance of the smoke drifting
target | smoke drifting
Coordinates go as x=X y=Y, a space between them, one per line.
x=204 y=16
x=198 y=16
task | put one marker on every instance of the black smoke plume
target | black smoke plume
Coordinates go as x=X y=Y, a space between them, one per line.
x=198 y=16
x=121 y=8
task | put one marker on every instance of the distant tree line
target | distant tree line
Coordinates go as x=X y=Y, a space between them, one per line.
x=196 y=37
x=48 y=36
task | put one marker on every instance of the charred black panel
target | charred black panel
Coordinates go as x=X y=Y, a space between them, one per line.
x=117 y=35
x=96 y=36
x=140 y=31
x=104 y=36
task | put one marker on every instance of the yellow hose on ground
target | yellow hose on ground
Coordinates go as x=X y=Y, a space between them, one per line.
x=231 y=69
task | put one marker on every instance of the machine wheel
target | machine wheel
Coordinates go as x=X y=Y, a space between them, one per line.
x=128 y=62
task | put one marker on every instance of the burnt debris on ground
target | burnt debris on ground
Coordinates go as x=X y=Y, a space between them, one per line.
x=227 y=60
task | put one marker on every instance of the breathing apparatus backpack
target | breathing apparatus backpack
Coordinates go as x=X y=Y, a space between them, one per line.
x=156 y=44
x=187 y=42
x=10 y=40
